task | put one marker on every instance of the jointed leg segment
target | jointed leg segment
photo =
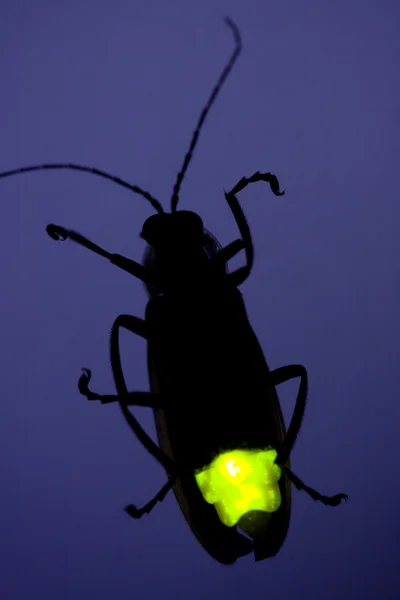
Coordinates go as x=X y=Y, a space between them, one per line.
x=280 y=376
x=137 y=513
x=56 y=232
x=146 y=399
x=327 y=500
x=240 y=275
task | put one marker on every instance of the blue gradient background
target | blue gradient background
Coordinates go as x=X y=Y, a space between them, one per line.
x=120 y=85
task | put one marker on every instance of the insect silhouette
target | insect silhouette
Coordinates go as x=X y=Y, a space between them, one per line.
x=221 y=435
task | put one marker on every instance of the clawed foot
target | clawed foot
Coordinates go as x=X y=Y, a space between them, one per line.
x=327 y=500
x=267 y=177
x=56 y=232
x=83 y=384
x=135 y=513
x=336 y=500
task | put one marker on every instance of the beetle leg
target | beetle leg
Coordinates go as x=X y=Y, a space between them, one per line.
x=227 y=253
x=277 y=377
x=56 y=232
x=137 y=513
x=131 y=323
x=327 y=500
x=240 y=275
x=137 y=326
x=146 y=399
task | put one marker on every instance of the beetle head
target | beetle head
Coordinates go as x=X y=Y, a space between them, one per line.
x=152 y=261
x=174 y=232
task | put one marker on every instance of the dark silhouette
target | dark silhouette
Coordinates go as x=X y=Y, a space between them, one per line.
x=211 y=388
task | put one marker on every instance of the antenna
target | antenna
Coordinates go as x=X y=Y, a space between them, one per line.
x=134 y=188
x=227 y=69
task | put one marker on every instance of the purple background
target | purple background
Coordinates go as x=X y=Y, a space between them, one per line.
x=119 y=85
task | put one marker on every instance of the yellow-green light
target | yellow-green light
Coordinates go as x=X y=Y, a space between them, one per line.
x=239 y=481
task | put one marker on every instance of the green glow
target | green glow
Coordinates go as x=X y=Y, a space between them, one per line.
x=239 y=481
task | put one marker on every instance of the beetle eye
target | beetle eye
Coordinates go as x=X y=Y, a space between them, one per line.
x=152 y=228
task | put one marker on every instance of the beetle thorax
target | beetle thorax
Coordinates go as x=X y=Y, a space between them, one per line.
x=180 y=270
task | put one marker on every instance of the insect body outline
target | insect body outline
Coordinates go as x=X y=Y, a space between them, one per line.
x=202 y=352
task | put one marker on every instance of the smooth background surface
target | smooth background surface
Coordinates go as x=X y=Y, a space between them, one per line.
x=119 y=86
